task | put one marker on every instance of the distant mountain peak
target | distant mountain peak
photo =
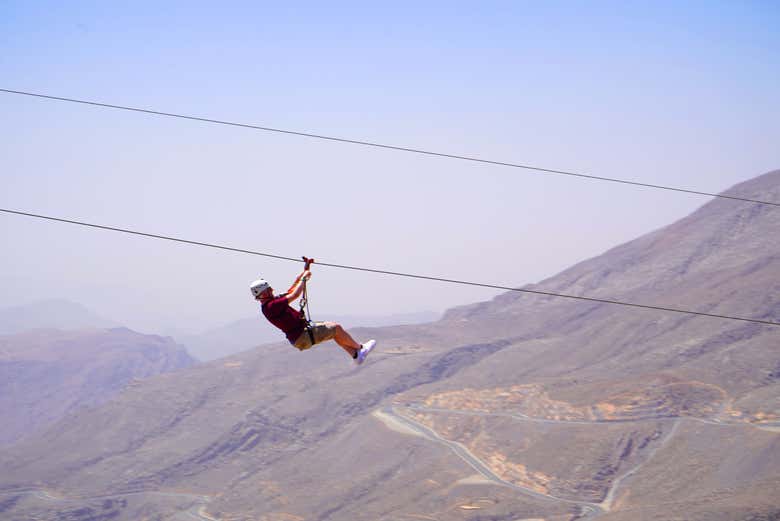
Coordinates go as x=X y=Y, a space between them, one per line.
x=55 y=313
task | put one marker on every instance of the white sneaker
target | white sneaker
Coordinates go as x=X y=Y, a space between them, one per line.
x=364 y=350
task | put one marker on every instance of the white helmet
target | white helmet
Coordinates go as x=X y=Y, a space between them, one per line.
x=258 y=287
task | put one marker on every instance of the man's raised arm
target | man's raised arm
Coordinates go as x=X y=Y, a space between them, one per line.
x=296 y=289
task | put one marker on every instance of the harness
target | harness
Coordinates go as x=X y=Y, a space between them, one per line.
x=304 y=310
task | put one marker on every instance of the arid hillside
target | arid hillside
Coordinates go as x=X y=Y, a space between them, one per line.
x=521 y=408
x=46 y=374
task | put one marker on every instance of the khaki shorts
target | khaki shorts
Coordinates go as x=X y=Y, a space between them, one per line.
x=322 y=331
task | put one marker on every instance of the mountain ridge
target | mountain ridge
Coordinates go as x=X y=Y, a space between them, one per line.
x=47 y=373
x=522 y=407
x=50 y=314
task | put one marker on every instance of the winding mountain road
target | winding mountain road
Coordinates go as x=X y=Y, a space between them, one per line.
x=588 y=509
x=610 y=497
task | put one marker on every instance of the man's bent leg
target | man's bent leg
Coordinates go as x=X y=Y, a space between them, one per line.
x=344 y=339
x=331 y=330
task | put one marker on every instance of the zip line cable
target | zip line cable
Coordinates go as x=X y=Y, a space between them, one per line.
x=393 y=273
x=388 y=147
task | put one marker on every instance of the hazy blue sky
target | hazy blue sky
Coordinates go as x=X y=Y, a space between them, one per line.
x=678 y=93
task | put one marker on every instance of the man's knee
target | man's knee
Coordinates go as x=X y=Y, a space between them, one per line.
x=333 y=329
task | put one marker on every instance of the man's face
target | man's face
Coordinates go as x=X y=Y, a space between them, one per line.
x=267 y=293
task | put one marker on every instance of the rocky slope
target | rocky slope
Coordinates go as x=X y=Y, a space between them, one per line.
x=524 y=407
x=46 y=374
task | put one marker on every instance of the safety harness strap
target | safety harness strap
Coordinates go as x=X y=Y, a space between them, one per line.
x=305 y=314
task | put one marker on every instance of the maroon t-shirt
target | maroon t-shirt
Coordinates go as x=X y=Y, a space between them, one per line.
x=279 y=313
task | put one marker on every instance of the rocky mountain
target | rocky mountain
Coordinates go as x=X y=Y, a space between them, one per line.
x=521 y=408
x=49 y=314
x=46 y=374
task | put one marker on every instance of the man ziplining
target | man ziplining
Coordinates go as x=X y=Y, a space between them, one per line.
x=299 y=331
